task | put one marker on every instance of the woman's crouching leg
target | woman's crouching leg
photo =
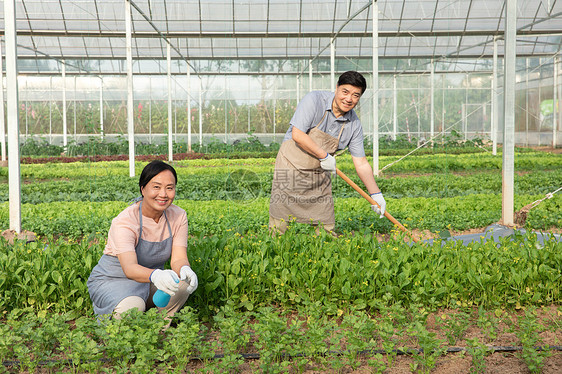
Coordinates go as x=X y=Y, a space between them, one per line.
x=175 y=303
x=128 y=303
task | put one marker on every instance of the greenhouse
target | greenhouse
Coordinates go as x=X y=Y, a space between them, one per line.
x=458 y=269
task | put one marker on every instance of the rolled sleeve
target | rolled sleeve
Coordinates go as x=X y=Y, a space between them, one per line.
x=180 y=232
x=305 y=114
x=356 y=147
x=121 y=238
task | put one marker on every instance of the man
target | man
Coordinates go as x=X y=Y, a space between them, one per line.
x=323 y=123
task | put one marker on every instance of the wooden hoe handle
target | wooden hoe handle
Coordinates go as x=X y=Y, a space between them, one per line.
x=373 y=202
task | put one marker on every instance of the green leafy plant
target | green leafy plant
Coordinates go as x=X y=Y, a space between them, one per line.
x=273 y=341
x=135 y=340
x=488 y=323
x=455 y=325
x=528 y=333
x=184 y=340
x=430 y=348
x=233 y=337
x=359 y=331
x=478 y=352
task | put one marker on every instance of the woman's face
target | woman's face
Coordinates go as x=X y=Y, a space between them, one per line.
x=158 y=194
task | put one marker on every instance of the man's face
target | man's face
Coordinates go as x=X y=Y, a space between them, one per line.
x=347 y=97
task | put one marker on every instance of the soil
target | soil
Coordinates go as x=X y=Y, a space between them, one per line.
x=506 y=358
x=547 y=149
x=500 y=336
x=452 y=363
x=11 y=235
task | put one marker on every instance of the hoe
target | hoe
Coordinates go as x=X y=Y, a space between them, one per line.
x=370 y=200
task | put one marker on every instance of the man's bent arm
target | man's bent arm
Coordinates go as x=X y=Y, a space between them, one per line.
x=305 y=142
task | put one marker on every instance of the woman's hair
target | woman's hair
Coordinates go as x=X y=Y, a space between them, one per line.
x=353 y=78
x=153 y=169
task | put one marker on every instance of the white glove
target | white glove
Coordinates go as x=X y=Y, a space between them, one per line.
x=189 y=276
x=165 y=280
x=328 y=163
x=379 y=200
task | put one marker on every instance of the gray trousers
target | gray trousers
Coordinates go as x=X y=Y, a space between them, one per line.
x=175 y=303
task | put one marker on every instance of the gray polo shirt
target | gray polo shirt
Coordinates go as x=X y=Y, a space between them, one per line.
x=310 y=111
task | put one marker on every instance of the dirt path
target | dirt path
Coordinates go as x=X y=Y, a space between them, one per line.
x=547 y=149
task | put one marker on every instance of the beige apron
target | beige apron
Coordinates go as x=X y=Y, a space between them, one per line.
x=301 y=189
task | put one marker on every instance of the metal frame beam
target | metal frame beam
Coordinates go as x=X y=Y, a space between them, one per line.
x=289 y=34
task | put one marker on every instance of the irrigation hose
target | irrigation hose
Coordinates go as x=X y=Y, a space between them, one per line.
x=257 y=356
x=373 y=202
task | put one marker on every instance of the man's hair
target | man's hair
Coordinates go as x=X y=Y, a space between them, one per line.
x=353 y=78
x=153 y=169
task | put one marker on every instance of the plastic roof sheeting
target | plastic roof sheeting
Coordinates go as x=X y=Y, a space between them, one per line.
x=273 y=29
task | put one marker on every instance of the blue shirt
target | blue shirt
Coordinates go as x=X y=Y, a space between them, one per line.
x=310 y=111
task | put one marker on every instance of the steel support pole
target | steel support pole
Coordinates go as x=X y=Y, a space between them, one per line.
x=555 y=103
x=394 y=108
x=225 y=110
x=101 y=107
x=130 y=103
x=375 y=87
x=249 y=111
x=442 y=110
x=332 y=65
x=298 y=88
x=309 y=75
x=464 y=122
x=200 y=112
x=150 y=110
x=465 y=114
x=509 y=117
x=50 y=110
x=74 y=110
x=26 y=110
x=538 y=103
x=274 y=113
x=14 y=176
x=495 y=111
x=418 y=101
x=175 y=110
x=527 y=102
x=2 y=114
x=558 y=89
x=169 y=80
x=432 y=102
x=188 y=86
x=64 y=119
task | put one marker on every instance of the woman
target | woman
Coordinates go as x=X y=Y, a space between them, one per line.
x=142 y=238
